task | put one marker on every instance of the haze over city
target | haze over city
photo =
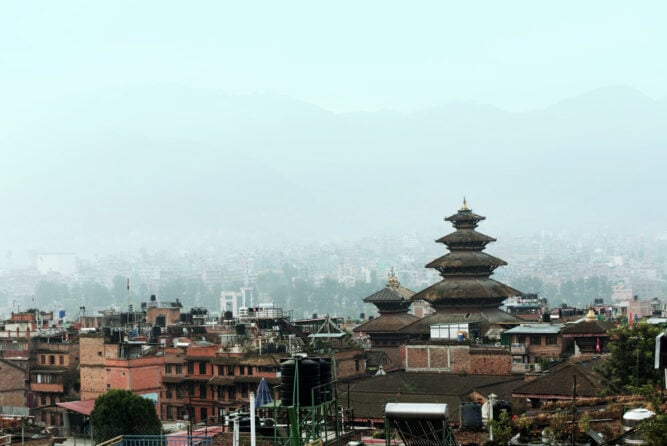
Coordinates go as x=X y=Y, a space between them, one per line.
x=164 y=126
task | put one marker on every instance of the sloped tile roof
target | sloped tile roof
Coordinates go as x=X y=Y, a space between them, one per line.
x=559 y=381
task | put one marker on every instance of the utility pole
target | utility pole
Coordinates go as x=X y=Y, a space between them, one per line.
x=574 y=408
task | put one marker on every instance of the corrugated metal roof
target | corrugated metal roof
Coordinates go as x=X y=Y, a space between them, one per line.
x=536 y=329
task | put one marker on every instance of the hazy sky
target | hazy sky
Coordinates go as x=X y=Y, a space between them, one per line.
x=125 y=120
x=343 y=55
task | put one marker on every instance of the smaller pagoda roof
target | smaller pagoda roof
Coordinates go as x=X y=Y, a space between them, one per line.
x=392 y=293
x=389 y=294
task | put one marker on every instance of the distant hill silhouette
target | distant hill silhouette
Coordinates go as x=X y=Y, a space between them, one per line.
x=173 y=166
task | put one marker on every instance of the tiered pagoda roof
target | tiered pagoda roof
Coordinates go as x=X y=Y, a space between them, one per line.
x=393 y=303
x=466 y=270
x=466 y=293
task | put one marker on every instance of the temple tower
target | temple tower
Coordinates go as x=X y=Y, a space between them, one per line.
x=466 y=294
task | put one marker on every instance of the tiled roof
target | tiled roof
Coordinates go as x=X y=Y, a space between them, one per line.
x=588 y=327
x=369 y=395
x=558 y=382
x=390 y=294
x=481 y=288
x=465 y=236
x=487 y=317
x=536 y=329
x=386 y=323
x=466 y=259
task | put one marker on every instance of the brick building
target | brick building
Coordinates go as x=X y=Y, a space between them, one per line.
x=54 y=376
x=12 y=387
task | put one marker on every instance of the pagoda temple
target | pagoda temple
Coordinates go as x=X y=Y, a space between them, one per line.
x=466 y=300
x=393 y=303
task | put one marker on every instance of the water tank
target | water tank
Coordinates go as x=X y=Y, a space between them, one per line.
x=309 y=377
x=228 y=315
x=471 y=416
x=499 y=406
x=325 y=377
x=632 y=419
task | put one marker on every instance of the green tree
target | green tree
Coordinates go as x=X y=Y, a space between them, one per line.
x=502 y=429
x=654 y=430
x=630 y=365
x=121 y=412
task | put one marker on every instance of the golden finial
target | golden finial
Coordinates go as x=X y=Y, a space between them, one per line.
x=393 y=281
x=465 y=205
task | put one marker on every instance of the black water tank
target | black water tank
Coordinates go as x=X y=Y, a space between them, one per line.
x=471 y=416
x=325 y=378
x=309 y=377
x=499 y=406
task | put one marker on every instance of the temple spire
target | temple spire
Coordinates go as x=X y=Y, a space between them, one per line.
x=465 y=205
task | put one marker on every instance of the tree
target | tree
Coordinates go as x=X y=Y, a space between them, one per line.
x=654 y=430
x=630 y=365
x=121 y=412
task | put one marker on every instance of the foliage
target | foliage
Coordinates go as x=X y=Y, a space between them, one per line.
x=654 y=430
x=121 y=412
x=502 y=429
x=630 y=365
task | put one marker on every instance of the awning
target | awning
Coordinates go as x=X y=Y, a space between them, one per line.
x=83 y=406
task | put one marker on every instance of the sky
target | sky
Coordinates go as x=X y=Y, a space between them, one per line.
x=164 y=120
x=343 y=56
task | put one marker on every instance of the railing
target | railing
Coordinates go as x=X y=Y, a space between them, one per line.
x=159 y=440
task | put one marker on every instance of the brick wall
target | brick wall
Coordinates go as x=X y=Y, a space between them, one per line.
x=12 y=385
x=456 y=359
x=91 y=366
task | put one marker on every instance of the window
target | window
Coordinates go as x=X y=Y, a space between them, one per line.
x=52 y=359
x=356 y=365
x=202 y=368
x=191 y=368
x=179 y=369
x=43 y=399
x=241 y=370
x=230 y=370
x=521 y=339
x=61 y=360
x=204 y=413
x=202 y=390
x=191 y=389
x=250 y=370
x=232 y=393
x=535 y=340
x=167 y=369
x=43 y=358
x=552 y=340
x=244 y=389
x=221 y=370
